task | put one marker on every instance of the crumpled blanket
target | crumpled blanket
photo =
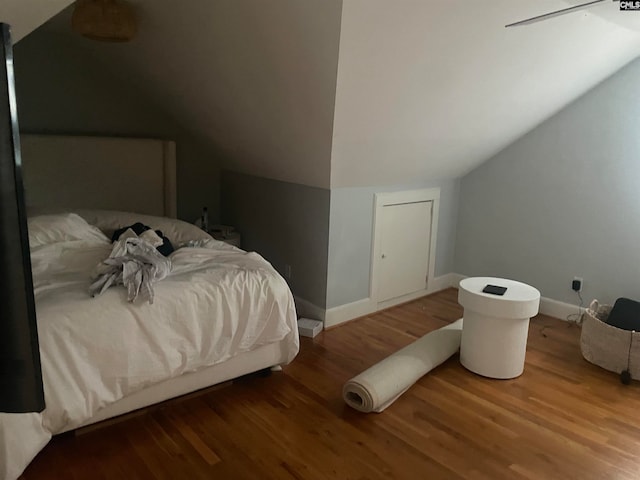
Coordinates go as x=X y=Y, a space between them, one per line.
x=135 y=263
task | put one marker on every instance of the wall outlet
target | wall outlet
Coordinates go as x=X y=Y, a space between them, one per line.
x=287 y=271
x=576 y=284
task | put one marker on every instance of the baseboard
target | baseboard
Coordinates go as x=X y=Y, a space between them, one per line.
x=557 y=309
x=443 y=282
x=455 y=279
x=343 y=313
x=548 y=306
x=304 y=308
x=403 y=299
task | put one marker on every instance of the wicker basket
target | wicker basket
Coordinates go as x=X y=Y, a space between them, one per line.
x=607 y=346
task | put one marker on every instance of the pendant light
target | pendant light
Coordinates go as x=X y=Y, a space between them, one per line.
x=104 y=20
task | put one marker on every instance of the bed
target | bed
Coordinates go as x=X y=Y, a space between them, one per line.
x=221 y=313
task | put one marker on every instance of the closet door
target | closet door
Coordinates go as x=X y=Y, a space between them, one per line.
x=404 y=235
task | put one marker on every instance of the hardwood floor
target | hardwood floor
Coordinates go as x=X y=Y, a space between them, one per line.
x=563 y=418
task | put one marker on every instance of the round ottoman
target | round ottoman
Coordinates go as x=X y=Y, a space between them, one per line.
x=495 y=328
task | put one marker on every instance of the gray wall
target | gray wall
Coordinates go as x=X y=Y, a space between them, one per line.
x=350 y=237
x=63 y=90
x=563 y=200
x=255 y=78
x=286 y=223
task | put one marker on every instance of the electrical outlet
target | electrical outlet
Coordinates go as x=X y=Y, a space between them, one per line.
x=287 y=271
x=577 y=284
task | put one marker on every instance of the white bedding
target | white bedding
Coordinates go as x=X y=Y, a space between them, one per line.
x=217 y=302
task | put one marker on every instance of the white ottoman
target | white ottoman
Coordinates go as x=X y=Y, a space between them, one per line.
x=495 y=328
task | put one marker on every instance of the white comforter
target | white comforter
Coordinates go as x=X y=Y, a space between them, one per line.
x=216 y=303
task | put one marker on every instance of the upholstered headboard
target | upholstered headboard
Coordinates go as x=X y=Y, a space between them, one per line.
x=112 y=173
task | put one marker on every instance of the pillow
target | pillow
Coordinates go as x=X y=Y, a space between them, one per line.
x=64 y=227
x=177 y=231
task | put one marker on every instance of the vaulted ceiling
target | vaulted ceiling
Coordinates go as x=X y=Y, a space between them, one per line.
x=334 y=93
x=431 y=89
x=24 y=16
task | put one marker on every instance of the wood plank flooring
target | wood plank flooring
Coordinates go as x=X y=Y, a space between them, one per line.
x=562 y=419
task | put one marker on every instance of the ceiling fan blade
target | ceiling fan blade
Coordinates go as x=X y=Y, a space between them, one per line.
x=554 y=14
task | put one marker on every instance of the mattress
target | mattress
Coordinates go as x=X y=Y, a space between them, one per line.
x=218 y=302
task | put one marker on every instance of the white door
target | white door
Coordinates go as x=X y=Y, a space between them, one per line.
x=405 y=236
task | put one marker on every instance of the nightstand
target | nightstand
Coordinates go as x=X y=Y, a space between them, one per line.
x=230 y=237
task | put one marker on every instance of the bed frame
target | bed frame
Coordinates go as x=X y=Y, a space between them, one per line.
x=267 y=356
x=128 y=174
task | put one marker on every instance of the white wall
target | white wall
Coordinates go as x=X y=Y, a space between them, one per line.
x=24 y=16
x=429 y=88
x=563 y=200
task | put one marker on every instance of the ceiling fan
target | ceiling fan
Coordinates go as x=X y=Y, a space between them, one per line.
x=556 y=13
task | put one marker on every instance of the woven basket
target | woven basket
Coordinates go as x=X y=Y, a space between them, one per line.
x=607 y=346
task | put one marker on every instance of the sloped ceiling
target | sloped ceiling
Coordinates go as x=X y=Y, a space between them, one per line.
x=24 y=16
x=364 y=92
x=254 y=78
x=431 y=89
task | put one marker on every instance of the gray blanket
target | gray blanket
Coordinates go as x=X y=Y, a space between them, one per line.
x=135 y=263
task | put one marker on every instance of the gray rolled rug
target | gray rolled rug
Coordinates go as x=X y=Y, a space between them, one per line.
x=379 y=386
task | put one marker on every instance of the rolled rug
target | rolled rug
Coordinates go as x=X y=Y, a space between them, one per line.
x=379 y=386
